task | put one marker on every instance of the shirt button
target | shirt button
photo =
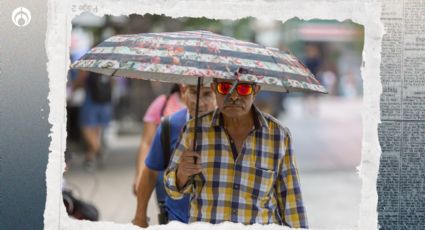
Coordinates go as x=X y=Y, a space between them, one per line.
x=234 y=211
x=235 y=186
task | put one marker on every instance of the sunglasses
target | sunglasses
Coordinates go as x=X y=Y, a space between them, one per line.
x=243 y=89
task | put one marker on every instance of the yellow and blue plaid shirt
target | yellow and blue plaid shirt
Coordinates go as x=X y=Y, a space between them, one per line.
x=260 y=186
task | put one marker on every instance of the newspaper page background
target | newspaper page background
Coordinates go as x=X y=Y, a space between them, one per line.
x=400 y=185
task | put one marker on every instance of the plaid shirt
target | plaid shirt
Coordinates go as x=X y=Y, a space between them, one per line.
x=260 y=186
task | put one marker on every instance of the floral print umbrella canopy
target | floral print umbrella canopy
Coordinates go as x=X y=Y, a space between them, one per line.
x=182 y=57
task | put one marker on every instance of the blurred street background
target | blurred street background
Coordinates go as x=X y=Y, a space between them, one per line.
x=327 y=129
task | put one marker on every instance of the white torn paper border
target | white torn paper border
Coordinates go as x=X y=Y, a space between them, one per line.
x=60 y=14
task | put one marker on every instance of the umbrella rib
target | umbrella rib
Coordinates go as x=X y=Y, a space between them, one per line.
x=277 y=64
x=226 y=98
x=113 y=73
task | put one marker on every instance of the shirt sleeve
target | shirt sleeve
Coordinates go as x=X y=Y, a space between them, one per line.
x=288 y=192
x=153 y=113
x=155 y=158
x=170 y=175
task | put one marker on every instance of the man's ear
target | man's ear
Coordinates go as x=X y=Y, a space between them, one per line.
x=212 y=86
x=257 y=89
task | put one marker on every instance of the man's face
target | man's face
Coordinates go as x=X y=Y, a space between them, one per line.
x=206 y=99
x=236 y=105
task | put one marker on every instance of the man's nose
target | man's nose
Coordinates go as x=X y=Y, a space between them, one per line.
x=234 y=96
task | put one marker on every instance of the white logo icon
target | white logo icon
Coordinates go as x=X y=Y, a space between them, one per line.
x=21 y=16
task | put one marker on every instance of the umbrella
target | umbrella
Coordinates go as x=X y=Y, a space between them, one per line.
x=182 y=57
x=196 y=57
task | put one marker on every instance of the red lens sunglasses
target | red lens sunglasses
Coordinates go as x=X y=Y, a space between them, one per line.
x=243 y=89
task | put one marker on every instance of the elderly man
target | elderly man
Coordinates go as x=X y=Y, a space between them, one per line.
x=245 y=168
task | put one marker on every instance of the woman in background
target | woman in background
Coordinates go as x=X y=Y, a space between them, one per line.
x=163 y=105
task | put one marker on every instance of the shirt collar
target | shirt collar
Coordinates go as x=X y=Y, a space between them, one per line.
x=259 y=119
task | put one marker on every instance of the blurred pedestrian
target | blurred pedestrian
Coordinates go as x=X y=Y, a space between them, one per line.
x=313 y=61
x=330 y=81
x=158 y=157
x=270 y=102
x=95 y=112
x=163 y=105
x=245 y=168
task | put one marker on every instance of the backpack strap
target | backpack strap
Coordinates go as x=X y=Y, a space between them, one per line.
x=165 y=139
x=165 y=104
x=174 y=89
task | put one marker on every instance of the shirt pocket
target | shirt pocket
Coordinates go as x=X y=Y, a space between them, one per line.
x=263 y=183
x=257 y=176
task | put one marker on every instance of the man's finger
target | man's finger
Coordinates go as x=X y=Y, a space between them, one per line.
x=193 y=172
x=189 y=158
x=190 y=153
x=190 y=166
x=190 y=172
